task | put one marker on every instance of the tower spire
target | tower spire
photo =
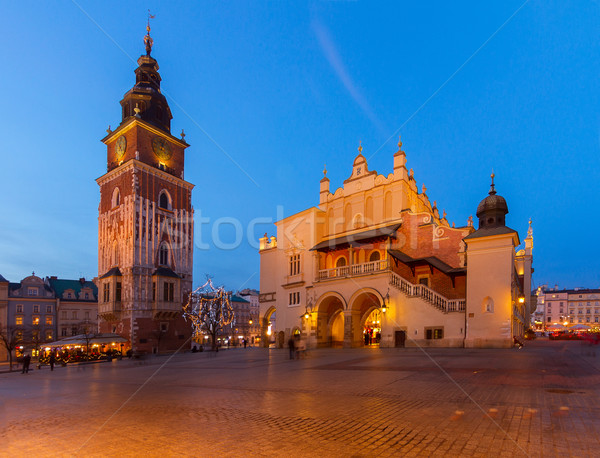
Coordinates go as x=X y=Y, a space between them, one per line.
x=492 y=188
x=148 y=41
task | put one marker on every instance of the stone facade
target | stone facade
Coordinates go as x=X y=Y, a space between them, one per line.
x=376 y=256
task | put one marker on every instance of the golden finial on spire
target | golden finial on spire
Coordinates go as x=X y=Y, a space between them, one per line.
x=148 y=41
x=492 y=188
x=399 y=142
x=360 y=147
x=325 y=170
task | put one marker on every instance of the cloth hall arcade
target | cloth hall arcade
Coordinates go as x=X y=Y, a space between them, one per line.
x=376 y=263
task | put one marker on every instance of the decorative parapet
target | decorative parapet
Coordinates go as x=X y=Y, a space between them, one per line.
x=267 y=243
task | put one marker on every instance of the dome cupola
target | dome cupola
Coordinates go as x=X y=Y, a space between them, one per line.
x=492 y=210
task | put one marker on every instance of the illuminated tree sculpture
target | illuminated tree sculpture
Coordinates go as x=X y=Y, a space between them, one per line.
x=209 y=310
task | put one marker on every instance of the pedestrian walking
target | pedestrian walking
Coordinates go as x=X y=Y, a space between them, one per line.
x=244 y=343
x=52 y=361
x=292 y=345
x=26 y=362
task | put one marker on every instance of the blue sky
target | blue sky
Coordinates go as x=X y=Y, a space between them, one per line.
x=268 y=92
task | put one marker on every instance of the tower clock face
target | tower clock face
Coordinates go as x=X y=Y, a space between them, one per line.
x=161 y=148
x=120 y=147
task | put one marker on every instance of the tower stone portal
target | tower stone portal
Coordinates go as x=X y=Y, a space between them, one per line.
x=145 y=221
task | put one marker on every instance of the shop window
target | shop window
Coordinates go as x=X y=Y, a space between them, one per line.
x=434 y=333
x=48 y=334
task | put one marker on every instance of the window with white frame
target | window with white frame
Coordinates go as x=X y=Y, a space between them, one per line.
x=36 y=309
x=31 y=291
x=294 y=298
x=19 y=308
x=295 y=264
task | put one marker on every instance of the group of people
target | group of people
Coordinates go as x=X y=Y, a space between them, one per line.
x=26 y=361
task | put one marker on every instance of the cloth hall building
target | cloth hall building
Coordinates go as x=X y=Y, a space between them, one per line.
x=375 y=263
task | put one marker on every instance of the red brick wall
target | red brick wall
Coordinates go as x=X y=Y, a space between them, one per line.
x=139 y=139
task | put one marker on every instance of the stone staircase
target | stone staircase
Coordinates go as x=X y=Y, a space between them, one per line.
x=437 y=300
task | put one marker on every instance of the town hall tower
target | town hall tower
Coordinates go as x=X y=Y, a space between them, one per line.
x=145 y=221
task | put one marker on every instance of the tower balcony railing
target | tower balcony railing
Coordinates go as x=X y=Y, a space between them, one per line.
x=437 y=300
x=354 y=270
x=109 y=307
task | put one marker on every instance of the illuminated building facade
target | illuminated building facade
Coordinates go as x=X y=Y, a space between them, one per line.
x=145 y=222
x=570 y=307
x=376 y=263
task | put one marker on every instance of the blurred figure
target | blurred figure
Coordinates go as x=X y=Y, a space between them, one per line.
x=26 y=362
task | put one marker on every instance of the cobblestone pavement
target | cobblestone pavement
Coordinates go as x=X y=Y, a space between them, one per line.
x=538 y=401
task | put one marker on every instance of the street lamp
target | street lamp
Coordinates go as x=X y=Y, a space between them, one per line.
x=386 y=302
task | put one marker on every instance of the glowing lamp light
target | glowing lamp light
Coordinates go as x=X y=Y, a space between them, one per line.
x=306 y=315
x=269 y=330
x=521 y=300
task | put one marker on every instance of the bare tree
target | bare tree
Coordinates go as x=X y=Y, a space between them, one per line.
x=87 y=333
x=10 y=338
x=159 y=334
x=209 y=310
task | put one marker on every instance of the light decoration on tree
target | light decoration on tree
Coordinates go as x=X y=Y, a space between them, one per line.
x=209 y=310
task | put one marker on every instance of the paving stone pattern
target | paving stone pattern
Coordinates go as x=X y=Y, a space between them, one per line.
x=538 y=401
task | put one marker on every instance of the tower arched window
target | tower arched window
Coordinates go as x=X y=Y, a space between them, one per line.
x=164 y=200
x=163 y=255
x=116 y=198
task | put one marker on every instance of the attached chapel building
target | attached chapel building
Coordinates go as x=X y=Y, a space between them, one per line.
x=376 y=264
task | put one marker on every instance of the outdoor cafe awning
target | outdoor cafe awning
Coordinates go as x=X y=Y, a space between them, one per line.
x=82 y=339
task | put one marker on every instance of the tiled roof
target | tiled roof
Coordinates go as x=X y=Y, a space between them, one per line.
x=3 y=279
x=364 y=236
x=61 y=285
x=114 y=272
x=486 y=232
x=165 y=272
x=431 y=260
